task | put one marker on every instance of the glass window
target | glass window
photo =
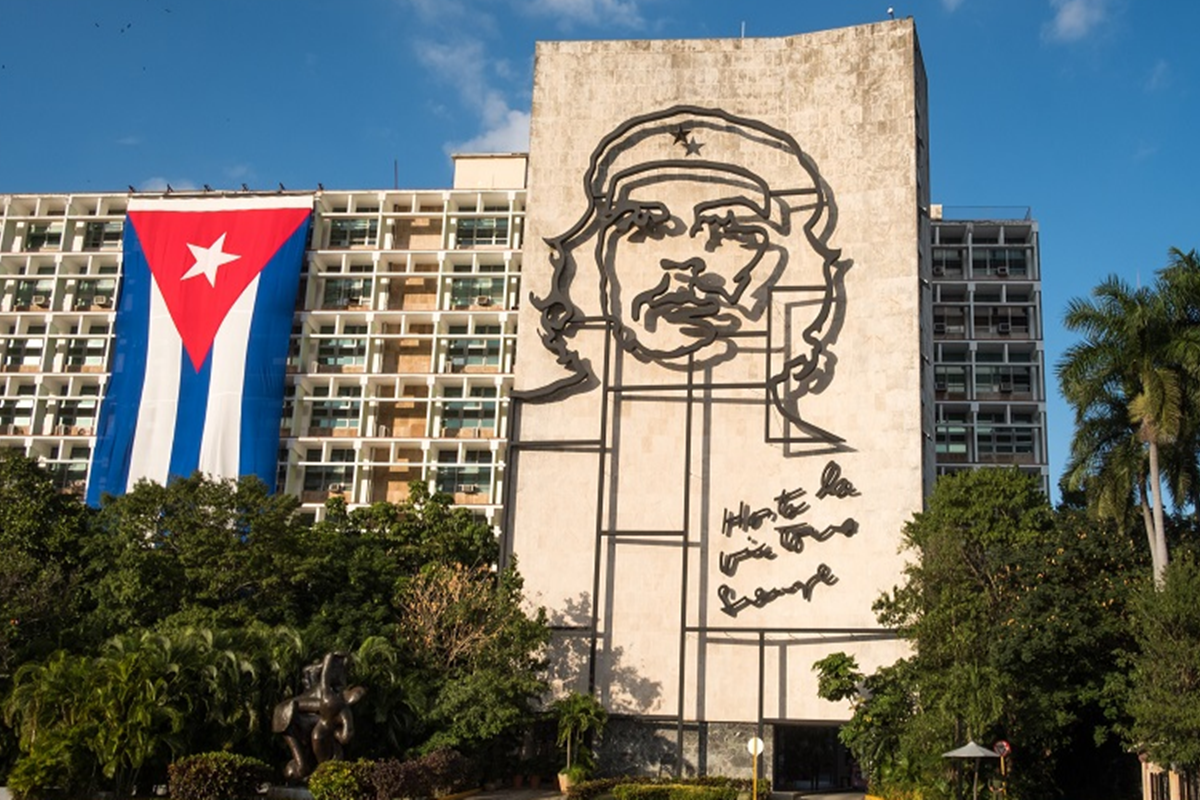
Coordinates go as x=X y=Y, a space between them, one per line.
x=346 y=292
x=482 y=231
x=102 y=235
x=44 y=236
x=470 y=476
x=477 y=410
x=465 y=292
x=357 y=232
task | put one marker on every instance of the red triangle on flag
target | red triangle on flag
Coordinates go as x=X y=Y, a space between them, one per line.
x=230 y=247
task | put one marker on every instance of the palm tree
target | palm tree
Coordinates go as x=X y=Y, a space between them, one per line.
x=1131 y=382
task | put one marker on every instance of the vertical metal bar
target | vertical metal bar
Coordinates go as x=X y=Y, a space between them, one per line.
x=762 y=657
x=683 y=590
x=602 y=454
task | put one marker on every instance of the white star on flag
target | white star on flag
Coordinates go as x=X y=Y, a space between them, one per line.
x=209 y=260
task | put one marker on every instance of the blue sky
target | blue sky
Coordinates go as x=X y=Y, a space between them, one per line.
x=1087 y=111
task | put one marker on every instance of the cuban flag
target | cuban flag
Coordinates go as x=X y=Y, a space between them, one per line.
x=202 y=330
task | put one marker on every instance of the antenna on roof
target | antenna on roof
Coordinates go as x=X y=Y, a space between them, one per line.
x=743 y=29
x=891 y=13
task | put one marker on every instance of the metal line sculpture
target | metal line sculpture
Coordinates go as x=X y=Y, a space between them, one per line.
x=729 y=257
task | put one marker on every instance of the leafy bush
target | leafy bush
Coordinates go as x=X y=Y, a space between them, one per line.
x=216 y=776
x=407 y=779
x=629 y=787
x=674 y=791
x=342 y=780
x=448 y=771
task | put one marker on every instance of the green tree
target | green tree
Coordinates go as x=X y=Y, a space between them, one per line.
x=1165 y=699
x=1017 y=620
x=1132 y=383
x=478 y=651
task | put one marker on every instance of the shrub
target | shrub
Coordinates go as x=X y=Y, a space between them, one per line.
x=405 y=779
x=216 y=776
x=448 y=771
x=342 y=780
x=628 y=787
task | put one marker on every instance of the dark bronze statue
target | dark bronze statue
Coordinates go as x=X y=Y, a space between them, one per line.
x=318 y=722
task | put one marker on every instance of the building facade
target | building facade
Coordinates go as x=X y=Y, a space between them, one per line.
x=401 y=355
x=723 y=405
x=988 y=356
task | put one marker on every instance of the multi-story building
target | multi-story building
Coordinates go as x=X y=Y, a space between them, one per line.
x=989 y=362
x=401 y=352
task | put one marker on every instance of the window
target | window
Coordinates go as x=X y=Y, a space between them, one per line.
x=102 y=235
x=346 y=292
x=44 y=236
x=466 y=292
x=76 y=414
x=95 y=292
x=950 y=379
x=357 y=232
x=23 y=353
x=341 y=412
x=16 y=416
x=474 y=351
x=341 y=353
x=477 y=410
x=34 y=294
x=470 y=476
x=482 y=231
x=85 y=353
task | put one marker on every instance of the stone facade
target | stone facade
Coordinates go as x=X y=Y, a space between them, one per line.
x=723 y=402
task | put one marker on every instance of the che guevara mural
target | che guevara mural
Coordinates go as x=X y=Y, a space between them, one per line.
x=717 y=425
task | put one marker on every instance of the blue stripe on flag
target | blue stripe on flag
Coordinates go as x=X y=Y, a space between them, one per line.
x=266 y=359
x=189 y=420
x=116 y=426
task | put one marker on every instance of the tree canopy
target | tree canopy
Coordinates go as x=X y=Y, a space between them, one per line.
x=173 y=618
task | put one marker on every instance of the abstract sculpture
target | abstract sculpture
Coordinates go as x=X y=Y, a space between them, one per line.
x=318 y=722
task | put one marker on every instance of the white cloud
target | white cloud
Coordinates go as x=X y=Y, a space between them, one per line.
x=951 y=5
x=129 y=141
x=1160 y=76
x=623 y=13
x=160 y=184
x=508 y=134
x=464 y=64
x=1075 y=19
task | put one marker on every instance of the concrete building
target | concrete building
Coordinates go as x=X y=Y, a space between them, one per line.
x=401 y=355
x=723 y=405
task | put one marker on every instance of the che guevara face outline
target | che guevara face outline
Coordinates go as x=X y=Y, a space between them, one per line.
x=687 y=259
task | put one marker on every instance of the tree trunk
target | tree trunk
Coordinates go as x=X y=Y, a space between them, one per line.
x=1158 y=543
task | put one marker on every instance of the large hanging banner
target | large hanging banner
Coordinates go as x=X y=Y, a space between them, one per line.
x=202 y=329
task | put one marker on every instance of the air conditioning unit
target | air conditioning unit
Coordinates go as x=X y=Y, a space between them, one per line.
x=939 y=386
x=939 y=270
x=336 y=488
x=1004 y=328
x=470 y=488
x=1002 y=272
x=1006 y=387
x=41 y=300
x=483 y=300
x=101 y=300
x=314 y=366
x=939 y=328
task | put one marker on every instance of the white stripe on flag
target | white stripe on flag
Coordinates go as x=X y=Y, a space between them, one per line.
x=151 y=456
x=220 y=446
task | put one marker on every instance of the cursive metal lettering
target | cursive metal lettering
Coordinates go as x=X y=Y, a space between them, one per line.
x=832 y=483
x=729 y=561
x=791 y=537
x=732 y=605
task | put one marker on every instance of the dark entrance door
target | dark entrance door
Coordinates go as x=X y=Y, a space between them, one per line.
x=810 y=758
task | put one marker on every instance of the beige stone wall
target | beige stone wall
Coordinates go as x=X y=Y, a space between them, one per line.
x=623 y=485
